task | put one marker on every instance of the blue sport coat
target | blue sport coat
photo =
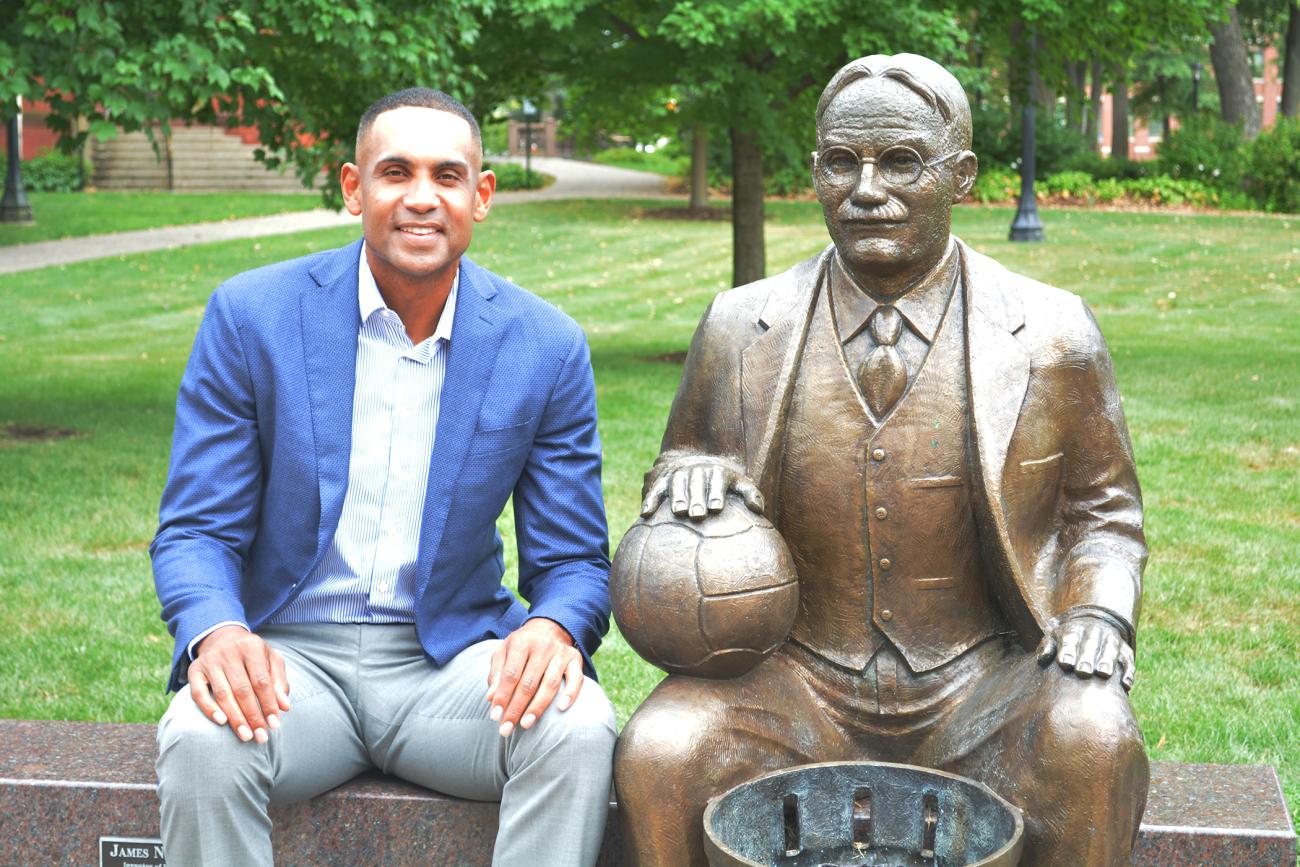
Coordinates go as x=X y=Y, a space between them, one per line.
x=259 y=462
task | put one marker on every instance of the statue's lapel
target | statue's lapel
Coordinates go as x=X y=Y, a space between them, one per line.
x=768 y=365
x=998 y=366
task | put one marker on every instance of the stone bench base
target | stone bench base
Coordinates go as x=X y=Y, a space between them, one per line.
x=65 y=785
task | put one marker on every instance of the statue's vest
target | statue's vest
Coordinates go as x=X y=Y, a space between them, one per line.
x=879 y=516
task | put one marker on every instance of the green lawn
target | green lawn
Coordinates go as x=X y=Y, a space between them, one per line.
x=71 y=215
x=1200 y=313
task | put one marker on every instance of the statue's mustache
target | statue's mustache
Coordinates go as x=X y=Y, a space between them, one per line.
x=891 y=211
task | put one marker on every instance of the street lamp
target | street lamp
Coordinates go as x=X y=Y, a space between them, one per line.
x=530 y=114
x=14 y=207
x=1026 y=226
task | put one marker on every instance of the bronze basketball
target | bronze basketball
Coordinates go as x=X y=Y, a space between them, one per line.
x=706 y=598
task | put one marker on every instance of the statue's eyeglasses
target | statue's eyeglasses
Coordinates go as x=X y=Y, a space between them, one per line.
x=897 y=166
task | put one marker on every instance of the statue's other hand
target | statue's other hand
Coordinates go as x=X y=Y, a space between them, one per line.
x=1088 y=644
x=698 y=485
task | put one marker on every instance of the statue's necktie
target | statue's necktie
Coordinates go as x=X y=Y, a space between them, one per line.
x=884 y=375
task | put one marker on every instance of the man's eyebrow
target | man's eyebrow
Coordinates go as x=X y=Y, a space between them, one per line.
x=398 y=159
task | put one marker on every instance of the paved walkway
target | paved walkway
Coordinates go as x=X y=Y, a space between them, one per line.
x=573 y=180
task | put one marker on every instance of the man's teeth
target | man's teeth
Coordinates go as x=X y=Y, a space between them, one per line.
x=419 y=230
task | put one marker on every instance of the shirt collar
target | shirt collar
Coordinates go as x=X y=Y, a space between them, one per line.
x=922 y=306
x=370 y=300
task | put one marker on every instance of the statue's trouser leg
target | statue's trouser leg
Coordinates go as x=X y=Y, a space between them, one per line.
x=1066 y=750
x=366 y=696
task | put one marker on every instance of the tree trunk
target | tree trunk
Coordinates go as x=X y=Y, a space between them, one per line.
x=699 y=167
x=1091 y=129
x=1291 y=64
x=1119 y=116
x=1232 y=73
x=748 y=256
x=1076 y=108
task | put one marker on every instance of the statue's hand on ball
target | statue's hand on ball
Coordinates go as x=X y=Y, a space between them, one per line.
x=696 y=485
x=707 y=597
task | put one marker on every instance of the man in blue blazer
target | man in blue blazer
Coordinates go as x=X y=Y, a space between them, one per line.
x=348 y=430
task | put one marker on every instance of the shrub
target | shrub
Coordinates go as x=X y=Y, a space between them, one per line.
x=996 y=138
x=1069 y=185
x=513 y=176
x=50 y=172
x=1205 y=149
x=995 y=184
x=1273 y=167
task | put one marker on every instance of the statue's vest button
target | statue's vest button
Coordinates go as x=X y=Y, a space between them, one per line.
x=882 y=513
x=886 y=614
x=885 y=563
x=878 y=454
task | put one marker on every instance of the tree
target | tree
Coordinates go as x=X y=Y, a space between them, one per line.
x=1232 y=73
x=1291 y=63
x=302 y=71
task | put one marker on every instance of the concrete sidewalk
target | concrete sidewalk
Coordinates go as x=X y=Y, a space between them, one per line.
x=573 y=180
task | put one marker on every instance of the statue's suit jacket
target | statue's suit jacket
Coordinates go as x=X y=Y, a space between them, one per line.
x=259 y=463
x=1057 y=502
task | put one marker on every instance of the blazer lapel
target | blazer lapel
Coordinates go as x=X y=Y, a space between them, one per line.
x=768 y=367
x=476 y=335
x=331 y=319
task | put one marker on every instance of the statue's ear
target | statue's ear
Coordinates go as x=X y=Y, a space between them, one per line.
x=965 y=170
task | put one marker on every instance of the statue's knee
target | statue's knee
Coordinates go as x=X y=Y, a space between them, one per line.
x=662 y=741
x=1092 y=716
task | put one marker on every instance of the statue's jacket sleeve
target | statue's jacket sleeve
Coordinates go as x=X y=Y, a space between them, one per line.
x=1057 y=498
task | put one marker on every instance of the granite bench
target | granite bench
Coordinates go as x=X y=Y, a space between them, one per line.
x=79 y=793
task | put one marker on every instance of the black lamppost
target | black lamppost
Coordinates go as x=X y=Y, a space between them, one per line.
x=1026 y=226
x=530 y=114
x=1196 y=87
x=14 y=207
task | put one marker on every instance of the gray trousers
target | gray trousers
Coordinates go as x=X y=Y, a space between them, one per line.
x=365 y=696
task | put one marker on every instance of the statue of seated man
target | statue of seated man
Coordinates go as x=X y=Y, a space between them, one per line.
x=941 y=445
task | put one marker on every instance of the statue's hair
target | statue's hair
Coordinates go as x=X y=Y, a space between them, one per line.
x=935 y=86
x=419 y=97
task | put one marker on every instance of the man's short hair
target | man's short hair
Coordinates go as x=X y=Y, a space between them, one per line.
x=419 y=97
x=935 y=85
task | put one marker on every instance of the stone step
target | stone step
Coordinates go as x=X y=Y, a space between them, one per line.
x=66 y=785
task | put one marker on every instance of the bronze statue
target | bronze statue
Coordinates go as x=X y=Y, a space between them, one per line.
x=941 y=445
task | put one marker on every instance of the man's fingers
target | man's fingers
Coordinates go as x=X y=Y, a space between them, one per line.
x=752 y=495
x=717 y=488
x=512 y=668
x=494 y=669
x=279 y=681
x=529 y=681
x=225 y=698
x=697 y=505
x=677 y=492
x=552 y=679
x=573 y=679
x=202 y=696
x=257 y=664
x=658 y=491
x=245 y=696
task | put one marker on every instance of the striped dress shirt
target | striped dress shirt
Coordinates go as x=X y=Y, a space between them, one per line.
x=368 y=572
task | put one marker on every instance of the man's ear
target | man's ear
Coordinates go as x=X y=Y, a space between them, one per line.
x=965 y=171
x=483 y=190
x=350 y=184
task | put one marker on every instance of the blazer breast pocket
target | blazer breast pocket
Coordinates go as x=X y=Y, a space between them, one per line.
x=506 y=438
x=1042 y=466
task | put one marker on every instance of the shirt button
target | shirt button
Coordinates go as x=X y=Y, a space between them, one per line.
x=885 y=563
x=886 y=614
x=882 y=513
x=878 y=455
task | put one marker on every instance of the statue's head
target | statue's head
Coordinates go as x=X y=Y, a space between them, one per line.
x=893 y=156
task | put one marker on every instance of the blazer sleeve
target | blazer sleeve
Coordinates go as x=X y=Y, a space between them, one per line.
x=559 y=510
x=209 y=510
x=1101 y=538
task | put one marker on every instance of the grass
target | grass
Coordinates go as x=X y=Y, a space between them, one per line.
x=1200 y=313
x=72 y=215
x=661 y=162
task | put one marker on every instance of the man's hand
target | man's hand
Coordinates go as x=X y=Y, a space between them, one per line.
x=1088 y=644
x=236 y=678
x=698 y=486
x=527 y=671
